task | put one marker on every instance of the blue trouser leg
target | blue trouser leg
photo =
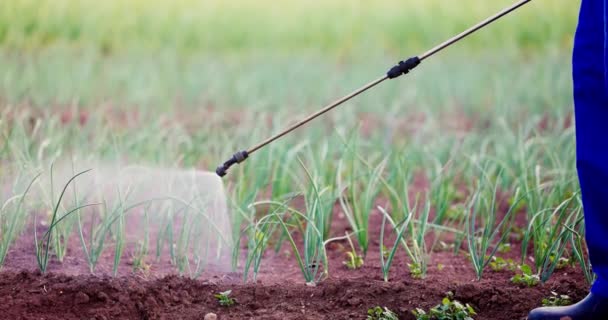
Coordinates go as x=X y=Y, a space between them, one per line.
x=590 y=70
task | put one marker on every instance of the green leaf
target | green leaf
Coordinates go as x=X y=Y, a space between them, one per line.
x=419 y=311
x=471 y=310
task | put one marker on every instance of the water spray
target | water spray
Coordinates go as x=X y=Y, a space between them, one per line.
x=403 y=67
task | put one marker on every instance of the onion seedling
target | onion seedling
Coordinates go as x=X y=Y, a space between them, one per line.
x=12 y=219
x=242 y=216
x=360 y=196
x=42 y=247
x=313 y=256
x=399 y=228
x=551 y=235
x=59 y=235
x=258 y=235
x=482 y=225
x=579 y=250
x=308 y=263
x=419 y=253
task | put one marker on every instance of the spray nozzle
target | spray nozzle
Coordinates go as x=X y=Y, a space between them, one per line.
x=236 y=158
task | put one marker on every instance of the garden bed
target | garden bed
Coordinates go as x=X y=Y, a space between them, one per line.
x=67 y=291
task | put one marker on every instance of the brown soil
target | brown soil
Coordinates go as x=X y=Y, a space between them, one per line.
x=27 y=295
x=68 y=292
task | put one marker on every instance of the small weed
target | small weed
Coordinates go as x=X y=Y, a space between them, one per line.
x=415 y=270
x=518 y=204
x=354 y=261
x=565 y=262
x=468 y=256
x=141 y=251
x=562 y=262
x=449 y=309
x=556 y=300
x=440 y=267
x=443 y=246
x=504 y=247
x=140 y=265
x=455 y=211
x=500 y=264
x=224 y=299
x=517 y=233
x=526 y=277
x=379 y=313
x=385 y=251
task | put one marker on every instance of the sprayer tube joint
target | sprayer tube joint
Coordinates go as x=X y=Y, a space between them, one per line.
x=403 y=67
x=236 y=158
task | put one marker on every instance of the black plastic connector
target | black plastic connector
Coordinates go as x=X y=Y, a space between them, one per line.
x=403 y=67
x=236 y=158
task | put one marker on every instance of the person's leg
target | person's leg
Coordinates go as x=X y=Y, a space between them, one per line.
x=591 y=113
x=590 y=75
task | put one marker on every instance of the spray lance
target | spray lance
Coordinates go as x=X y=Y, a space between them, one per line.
x=403 y=67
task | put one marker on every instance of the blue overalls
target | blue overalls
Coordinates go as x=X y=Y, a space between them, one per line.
x=590 y=75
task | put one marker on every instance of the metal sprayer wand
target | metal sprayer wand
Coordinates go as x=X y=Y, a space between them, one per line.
x=403 y=67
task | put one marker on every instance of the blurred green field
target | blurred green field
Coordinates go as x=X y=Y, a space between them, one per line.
x=163 y=53
x=339 y=27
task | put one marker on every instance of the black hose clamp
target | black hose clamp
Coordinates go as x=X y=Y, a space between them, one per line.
x=403 y=67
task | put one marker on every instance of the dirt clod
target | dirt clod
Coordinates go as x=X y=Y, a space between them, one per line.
x=102 y=296
x=353 y=302
x=210 y=316
x=81 y=298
